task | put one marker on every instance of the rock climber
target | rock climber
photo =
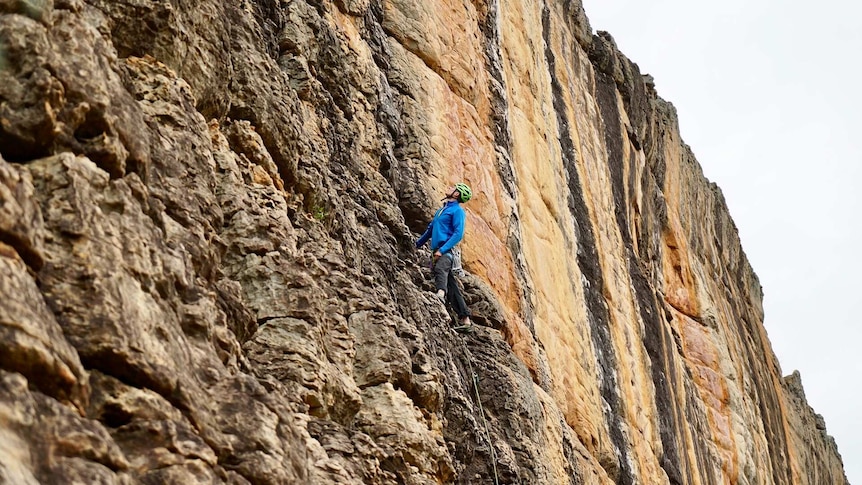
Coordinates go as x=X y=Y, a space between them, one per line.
x=445 y=231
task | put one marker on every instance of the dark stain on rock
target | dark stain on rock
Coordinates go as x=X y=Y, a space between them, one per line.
x=606 y=97
x=659 y=347
x=588 y=262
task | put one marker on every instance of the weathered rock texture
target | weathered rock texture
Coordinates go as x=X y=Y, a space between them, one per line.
x=207 y=273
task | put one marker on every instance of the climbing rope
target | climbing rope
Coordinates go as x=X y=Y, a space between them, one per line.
x=475 y=378
x=482 y=410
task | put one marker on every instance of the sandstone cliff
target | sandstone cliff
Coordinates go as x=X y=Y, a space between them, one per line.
x=207 y=216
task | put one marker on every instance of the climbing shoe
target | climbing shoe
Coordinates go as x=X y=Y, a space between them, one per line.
x=466 y=326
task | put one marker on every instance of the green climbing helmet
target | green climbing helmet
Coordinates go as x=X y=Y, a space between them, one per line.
x=464 y=190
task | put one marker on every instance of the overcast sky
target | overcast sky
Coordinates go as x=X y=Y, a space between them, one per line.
x=769 y=98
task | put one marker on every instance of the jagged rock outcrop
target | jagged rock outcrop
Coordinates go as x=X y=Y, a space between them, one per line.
x=207 y=216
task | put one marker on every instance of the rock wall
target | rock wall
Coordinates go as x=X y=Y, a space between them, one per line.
x=207 y=217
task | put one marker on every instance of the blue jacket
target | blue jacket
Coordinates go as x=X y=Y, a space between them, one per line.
x=446 y=229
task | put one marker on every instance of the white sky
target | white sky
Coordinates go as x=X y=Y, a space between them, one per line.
x=769 y=95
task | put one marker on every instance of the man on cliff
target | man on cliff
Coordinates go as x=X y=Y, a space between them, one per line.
x=445 y=231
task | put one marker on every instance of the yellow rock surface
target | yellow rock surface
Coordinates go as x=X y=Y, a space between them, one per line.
x=691 y=371
x=549 y=243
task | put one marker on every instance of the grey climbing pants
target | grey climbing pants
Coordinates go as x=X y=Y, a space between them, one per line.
x=444 y=279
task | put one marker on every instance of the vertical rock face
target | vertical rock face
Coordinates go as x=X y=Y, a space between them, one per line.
x=207 y=217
